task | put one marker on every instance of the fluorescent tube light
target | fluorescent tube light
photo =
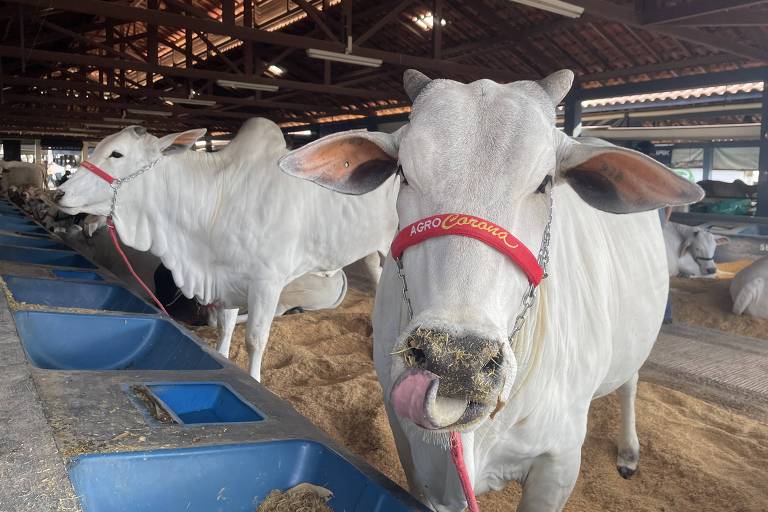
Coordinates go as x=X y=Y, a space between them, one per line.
x=188 y=101
x=555 y=6
x=275 y=70
x=83 y=130
x=124 y=120
x=232 y=84
x=346 y=58
x=98 y=125
x=301 y=133
x=149 y=112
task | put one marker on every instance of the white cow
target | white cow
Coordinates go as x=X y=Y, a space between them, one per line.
x=311 y=291
x=749 y=290
x=690 y=250
x=21 y=173
x=231 y=227
x=488 y=149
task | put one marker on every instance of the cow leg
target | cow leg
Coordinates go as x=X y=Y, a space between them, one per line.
x=225 y=326
x=373 y=266
x=262 y=301
x=549 y=482
x=629 y=446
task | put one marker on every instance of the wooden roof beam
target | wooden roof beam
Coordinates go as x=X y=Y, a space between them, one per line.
x=90 y=60
x=673 y=15
x=735 y=18
x=157 y=17
x=604 y=9
x=154 y=93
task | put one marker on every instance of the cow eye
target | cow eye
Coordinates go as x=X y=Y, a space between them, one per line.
x=543 y=187
x=116 y=154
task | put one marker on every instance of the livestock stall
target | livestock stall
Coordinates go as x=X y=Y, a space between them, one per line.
x=108 y=405
x=120 y=408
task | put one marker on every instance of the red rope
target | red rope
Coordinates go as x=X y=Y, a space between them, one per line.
x=457 y=454
x=116 y=243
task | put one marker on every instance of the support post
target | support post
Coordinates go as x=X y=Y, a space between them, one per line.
x=248 y=45
x=762 y=183
x=709 y=151
x=573 y=113
x=437 y=30
x=38 y=152
x=228 y=12
x=152 y=43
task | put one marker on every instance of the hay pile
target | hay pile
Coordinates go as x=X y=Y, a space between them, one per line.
x=302 y=498
x=694 y=455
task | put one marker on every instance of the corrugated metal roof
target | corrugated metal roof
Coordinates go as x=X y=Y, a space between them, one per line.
x=721 y=90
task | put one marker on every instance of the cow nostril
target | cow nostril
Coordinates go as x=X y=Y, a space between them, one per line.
x=415 y=357
x=494 y=364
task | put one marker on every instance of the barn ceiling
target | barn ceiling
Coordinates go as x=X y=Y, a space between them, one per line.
x=84 y=67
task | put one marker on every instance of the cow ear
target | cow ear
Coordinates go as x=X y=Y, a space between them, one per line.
x=722 y=240
x=620 y=180
x=353 y=162
x=177 y=142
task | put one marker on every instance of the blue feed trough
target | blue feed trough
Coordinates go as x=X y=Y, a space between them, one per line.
x=79 y=275
x=44 y=257
x=25 y=241
x=66 y=341
x=10 y=214
x=231 y=478
x=52 y=292
x=20 y=226
x=197 y=403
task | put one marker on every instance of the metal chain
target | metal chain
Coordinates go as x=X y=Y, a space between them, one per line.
x=407 y=300
x=118 y=182
x=529 y=297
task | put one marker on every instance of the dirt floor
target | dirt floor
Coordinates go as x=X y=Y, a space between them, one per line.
x=707 y=303
x=695 y=456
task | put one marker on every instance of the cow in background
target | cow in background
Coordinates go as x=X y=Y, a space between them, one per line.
x=690 y=250
x=18 y=174
x=232 y=228
x=749 y=290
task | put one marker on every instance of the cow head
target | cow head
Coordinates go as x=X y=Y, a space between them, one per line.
x=482 y=149
x=120 y=155
x=701 y=245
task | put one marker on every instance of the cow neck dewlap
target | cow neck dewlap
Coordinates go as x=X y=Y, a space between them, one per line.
x=171 y=211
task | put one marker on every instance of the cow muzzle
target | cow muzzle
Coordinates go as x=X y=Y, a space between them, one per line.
x=450 y=381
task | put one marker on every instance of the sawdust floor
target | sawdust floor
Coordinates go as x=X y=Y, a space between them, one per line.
x=696 y=456
x=707 y=303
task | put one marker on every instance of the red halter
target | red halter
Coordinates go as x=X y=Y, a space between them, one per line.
x=491 y=234
x=98 y=171
x=114 y=183
x=474 y=227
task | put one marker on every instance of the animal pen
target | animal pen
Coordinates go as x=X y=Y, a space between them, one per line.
x=109 y=404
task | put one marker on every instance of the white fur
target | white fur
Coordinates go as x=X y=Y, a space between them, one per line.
x=21 y=173
x=230 y=226
x=749 y=290
x=483 y=149
x=683 y=243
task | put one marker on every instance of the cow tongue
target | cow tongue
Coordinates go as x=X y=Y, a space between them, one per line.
x=414 y=396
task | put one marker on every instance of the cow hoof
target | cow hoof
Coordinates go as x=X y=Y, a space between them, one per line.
x=626 y=472
x=294 y=311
